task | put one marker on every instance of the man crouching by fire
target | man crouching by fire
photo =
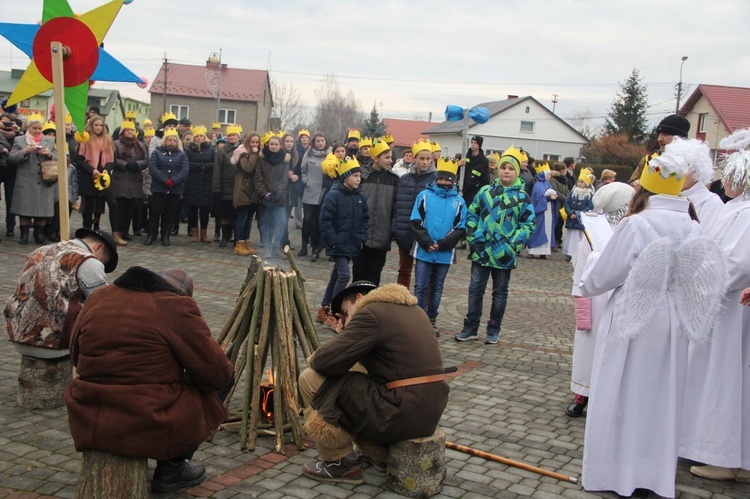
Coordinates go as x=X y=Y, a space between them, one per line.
x=380 y=381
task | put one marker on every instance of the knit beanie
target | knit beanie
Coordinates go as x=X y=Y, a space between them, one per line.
x=674 y=124
x=613 y=197
x=479 y=139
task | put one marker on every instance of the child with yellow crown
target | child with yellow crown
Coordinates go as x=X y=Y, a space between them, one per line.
x=438 y=221
x=580 y=200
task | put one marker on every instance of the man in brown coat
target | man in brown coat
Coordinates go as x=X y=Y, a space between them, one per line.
x=148 y=375
x=380 y=381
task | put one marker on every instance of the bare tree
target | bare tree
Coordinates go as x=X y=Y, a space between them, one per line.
x=287 y=105
x=419 y=116
x=583 y=122
x=336 y=113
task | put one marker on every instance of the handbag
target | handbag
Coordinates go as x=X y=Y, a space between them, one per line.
x=49 y=170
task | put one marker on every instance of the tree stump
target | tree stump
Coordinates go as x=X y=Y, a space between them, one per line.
x=416 y=467
x=42 y=382
x=107 y=475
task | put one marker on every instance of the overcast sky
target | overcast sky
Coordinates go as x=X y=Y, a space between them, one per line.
x=415 y=57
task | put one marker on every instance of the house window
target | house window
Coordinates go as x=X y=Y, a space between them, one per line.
x=702 y=123
x=527 y=126
x=228 y=116
x=180 y=111
x=551 y=157
x=528 y=109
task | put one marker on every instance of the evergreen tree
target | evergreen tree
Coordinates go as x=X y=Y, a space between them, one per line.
x=628 y=112
x=373 y=126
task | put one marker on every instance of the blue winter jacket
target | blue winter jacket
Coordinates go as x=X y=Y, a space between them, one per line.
x=409 y=185
x=343 y=221
x=438 y=217
x=164 y=165
x=573 y=205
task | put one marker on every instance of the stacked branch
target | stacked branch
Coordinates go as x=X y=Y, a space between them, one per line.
x=271 y=317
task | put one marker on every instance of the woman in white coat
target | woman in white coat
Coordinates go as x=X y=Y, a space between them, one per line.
x=632 y=428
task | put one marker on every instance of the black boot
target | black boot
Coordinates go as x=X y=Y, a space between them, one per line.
x=170 y=476
x=164 y=238
x=50 y=234
x=39 y=235
x=217 y=234
x=149 y=239
x=175 y=229
x=24 y=238
x=303 y=250
x=226 y=233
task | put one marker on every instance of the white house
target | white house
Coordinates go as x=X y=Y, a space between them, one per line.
x=517 y=121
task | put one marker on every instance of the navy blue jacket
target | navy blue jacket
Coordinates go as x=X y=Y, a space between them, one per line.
x=343 y=221
x=573 y=205
x=409 y=186
x=164 y=165
x=198 y=184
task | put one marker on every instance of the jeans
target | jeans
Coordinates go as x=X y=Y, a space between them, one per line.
x=479 y=277
x=428 y=285
x=243 y=226
x=405 y=266
x=273 y=219
x=339 y=279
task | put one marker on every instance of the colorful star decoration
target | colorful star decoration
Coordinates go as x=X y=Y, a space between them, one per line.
x=83 y=35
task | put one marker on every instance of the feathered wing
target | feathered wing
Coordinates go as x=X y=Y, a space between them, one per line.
x=698 y=283
x=644 y=290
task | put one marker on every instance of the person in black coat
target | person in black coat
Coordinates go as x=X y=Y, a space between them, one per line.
x=477 y=170
x=198 y=186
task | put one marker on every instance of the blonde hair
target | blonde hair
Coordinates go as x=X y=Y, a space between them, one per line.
x=608 y=174
x=107 y=143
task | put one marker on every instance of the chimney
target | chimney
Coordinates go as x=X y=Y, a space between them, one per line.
x=511 y=97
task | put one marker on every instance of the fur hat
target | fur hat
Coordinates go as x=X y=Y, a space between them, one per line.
x=674 y=124
x=613 y=197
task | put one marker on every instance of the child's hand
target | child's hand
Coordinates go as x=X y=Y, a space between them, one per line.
x=573 y=216
x=745 y=298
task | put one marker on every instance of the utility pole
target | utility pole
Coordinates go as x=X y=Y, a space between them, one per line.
x=679 y=86
x=165 y=84
x=554 y=102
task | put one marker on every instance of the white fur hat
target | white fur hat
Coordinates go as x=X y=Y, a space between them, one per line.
x=613 y=197
x=736 y=165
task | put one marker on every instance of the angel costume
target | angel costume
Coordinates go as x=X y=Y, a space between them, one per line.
x=662 y=297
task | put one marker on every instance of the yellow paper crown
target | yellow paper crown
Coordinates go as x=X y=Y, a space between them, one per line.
x=435 y=147
x=388 y=138
x=495 y=157
x=236 y=129
x=352 y=134
x=130 y=115
x=168 y=117
x=542 y=167
x=102 y=181
x=665 y=174
x=347 y=165
x=127 y=125
x=68 y=119
x=447 y=165
x=515 y=157
x=81 y=137
x=215 y=125
x=302 y=132
x=147 y=122
x=522 y=156
x=365 y=142
x=36 y=117
x=585 y=176
x=422 y=145
x=149 y=132
x=171 y=133
x=50 y=125
x=379 y=146
x=280 y=133
x=329 y=165
x=199 y=130
x=265 y=137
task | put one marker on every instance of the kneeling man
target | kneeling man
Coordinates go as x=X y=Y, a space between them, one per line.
x=380 y=381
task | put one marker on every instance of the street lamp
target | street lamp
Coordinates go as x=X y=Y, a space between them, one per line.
x=679 y=86
x=215 y=59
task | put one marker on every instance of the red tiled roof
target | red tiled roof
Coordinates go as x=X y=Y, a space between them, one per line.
x=732 y=104
x=187 y=80
x=406 y=132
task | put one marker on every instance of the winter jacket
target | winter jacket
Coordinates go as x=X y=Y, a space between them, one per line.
x=500 y=221
x=5 y=170
x=343 y=221
x=225 y=172
x=408 y=187
x=400 y=168
x=573 y=204
x=164 y=165
x=312 y=176
x=273 y=179
x=527 y=176
x=199 y=182
x=391 y=336
x=439 y=217
x=540 y=202
x=560 y=185
x=127 y=179
x=32 y=196
x=244 y=180
x=476 y=175
x=379 y=187
x=145 y=388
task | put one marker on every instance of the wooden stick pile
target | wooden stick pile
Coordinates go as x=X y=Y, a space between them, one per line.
x=271 y=316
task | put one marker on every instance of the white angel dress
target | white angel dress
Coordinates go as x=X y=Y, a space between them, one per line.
x=667 y=282
x=707 y=205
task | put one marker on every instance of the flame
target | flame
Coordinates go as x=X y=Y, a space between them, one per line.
x=270 y=376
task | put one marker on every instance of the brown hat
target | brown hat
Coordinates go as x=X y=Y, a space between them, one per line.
x=179 y=280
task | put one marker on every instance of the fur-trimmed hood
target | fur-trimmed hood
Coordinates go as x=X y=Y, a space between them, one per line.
x=390 y=293
x=142 y=279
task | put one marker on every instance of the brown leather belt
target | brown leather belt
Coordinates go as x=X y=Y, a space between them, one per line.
x=415 y=381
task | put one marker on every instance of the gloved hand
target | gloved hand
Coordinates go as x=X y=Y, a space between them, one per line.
x=132 y=166
x=169 y=183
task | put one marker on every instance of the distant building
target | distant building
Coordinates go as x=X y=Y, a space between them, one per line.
x=405 y=133
x=716 y=111
x=191 y=92
x=113 y=106
x=518 y=121
x=41 y=103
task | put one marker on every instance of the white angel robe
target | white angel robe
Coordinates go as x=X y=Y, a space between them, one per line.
x=707 y=205
x=716 y=415
x=632 y=428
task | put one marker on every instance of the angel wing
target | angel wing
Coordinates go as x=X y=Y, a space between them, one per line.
x=699 y=280
x=644 y=290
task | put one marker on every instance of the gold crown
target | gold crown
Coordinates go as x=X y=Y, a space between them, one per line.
x=127 y=125
x=447 y=165
x=388 y=138
x=171 y=133
x=199 y=130
x=379 y=146
x=102 y=181
x=365 y=142
x=68 y=119
x=280 y=133
x=664 y=174
x=542 y=167
x=302 y=132
x=422 y=145
x=81 y=137
x=494 y=157
x=435 y=147
x=514 y=156
x=147 y=122
x=215 y=125
x=236 y=129
x=49 y=126
x=130 y=115
x=266 y=137
x=149 y=132
x=329 y=165
x=168 y=117
x=585 y=176
x=36 y=117
x=348 y=164
x=352 y=134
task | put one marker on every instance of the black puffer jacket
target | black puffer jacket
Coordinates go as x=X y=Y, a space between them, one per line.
x=476 y=175
x=379 y=188
x=409 y=186
x=224 y=172
x=198 y=187
x=343 y=221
